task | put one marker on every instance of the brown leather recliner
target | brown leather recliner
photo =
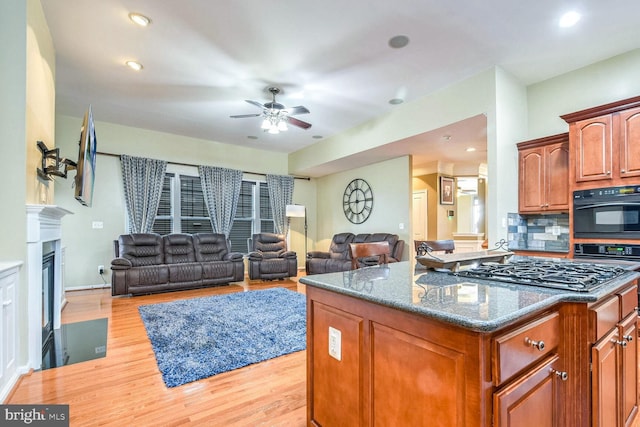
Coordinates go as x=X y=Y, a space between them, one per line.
x=269 y=258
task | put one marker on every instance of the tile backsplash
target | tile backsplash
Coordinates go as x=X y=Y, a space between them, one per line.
x=548 y=233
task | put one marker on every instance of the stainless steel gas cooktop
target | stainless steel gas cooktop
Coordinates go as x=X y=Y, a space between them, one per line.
x=573 y=276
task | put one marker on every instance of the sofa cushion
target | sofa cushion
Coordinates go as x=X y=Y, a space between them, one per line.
x=269 y=245
x=178 y=249
x=210 y=246
x=339 y=248
x=141 y=249
x=150 y=275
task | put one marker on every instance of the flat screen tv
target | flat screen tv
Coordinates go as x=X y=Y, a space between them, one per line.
x=86 y=169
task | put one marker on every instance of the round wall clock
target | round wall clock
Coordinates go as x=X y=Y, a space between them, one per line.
x=357 y=201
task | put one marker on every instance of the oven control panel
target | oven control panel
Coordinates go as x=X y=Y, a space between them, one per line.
x=606 y=250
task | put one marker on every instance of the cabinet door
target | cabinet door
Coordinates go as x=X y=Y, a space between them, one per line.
x=593 y=148
x=629 y=366
x=531 y=180
x=557 y=177
x=335 y=383
x=605 y=381
x=532 y=400
x=629 y=142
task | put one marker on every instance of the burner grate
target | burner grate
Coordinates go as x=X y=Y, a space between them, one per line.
x=559 y=275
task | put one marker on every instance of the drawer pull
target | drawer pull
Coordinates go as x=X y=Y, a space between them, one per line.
x=537 y=344
x=620 y=343
x=628 y=338
x=563 y=375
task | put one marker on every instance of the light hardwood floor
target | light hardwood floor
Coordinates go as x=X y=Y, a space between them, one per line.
x=125 y=388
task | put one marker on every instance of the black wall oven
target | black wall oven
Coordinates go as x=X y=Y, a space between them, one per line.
x=612 y=212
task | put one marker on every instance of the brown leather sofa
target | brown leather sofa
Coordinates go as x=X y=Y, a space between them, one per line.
x=338 y=257
x=148 y=263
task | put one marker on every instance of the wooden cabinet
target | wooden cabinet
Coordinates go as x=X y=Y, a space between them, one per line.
x=614 y=381
x=543 y=184
x=8 y=328
x=628 y=125
x=605 y=145
x=395 y=368
x=532 y=400
x=573 y=364
x=526 y=367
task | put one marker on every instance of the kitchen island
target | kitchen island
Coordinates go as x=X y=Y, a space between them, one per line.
x=395 y=345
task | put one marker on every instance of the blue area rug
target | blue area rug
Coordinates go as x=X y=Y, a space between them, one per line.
x=197 y=338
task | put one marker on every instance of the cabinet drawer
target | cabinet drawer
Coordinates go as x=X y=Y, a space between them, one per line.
x=524 y=346
x=628 y=301
x=604 y=317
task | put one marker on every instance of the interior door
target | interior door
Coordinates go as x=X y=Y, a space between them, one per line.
x=419 y=215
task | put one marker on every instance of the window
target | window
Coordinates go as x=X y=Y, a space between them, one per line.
x=253 y=214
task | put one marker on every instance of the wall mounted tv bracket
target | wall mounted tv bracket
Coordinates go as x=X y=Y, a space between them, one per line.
x=52 y=164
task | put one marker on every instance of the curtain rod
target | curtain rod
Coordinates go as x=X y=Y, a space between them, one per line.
x=189 y=164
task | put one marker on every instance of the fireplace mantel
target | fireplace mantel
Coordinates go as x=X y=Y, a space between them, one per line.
x=44 y=224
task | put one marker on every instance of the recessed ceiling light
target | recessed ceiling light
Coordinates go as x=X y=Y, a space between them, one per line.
x=139 y=19
x=396 y=101
x=252 y=137
x=398 y=42
x=317 y=137
x=471 y=149
x=569 y=19
x=134 y=65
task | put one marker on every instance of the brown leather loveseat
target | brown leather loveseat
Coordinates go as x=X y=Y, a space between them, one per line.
x=338 y=258
x=148 y=263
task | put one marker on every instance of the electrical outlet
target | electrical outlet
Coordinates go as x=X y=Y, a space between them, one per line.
x=335 y=343
x=101 y=269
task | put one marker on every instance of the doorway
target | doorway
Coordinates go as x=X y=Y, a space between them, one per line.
x=419 y=215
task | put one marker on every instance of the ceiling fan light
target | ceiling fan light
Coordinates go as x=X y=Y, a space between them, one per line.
x=266 y=124
x=139 y=19
x=282 y=126
x=274 y=130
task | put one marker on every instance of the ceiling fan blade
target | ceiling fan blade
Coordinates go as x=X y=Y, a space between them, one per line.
x=299 y=123
x=256 y=103
x=242 y=116
x=297 y=110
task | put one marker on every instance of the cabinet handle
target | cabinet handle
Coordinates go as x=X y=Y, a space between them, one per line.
x=563 y=375
x=608 y=172
x=620 y=343
x=623 y=171
x=537 y=344
x=628 y=338
x=7 y=303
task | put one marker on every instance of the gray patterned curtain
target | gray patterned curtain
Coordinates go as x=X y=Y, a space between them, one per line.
x=280 y=194
x=142 y=179
x=221 y=189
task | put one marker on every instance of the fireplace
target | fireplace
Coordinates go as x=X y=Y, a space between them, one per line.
x=44 y=265
x=48 y=290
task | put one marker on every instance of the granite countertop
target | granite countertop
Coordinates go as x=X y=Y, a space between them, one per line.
x=475 y=304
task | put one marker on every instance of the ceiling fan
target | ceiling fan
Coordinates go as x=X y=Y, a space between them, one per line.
x=275 y=115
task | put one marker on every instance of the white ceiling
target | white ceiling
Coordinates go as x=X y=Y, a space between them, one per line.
x=203 y=58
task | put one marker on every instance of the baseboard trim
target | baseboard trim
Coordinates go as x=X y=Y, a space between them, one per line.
x=12 y=382
x=88 y=287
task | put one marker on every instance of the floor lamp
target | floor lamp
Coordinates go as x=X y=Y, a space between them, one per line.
x=299 y=211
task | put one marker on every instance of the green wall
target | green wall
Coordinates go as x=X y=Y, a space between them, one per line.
x=86 y=247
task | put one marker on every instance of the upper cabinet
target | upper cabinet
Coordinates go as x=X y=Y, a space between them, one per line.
x=605 y=145
x=543 y=184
